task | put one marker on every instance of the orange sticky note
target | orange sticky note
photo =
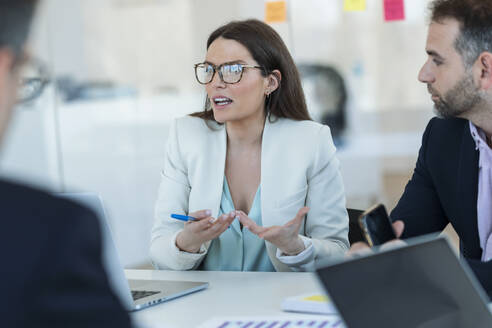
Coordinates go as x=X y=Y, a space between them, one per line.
x=394 y=10
x=275 y=11
x=354 y=5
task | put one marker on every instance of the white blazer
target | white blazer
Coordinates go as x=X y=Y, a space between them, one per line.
x=298 y=168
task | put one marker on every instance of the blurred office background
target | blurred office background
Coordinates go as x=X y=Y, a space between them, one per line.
x=121 y=70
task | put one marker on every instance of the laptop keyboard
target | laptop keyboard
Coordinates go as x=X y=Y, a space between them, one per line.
x=138 y=294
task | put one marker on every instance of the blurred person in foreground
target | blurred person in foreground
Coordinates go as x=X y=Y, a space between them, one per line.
x=52 y=273
x=452 y=181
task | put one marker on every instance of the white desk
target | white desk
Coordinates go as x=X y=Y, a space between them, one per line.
x=229 y=294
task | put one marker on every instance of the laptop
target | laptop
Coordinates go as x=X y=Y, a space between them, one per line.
x=422 y=285
x=134 y=294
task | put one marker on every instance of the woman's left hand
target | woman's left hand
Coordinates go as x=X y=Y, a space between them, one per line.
x=285 y=237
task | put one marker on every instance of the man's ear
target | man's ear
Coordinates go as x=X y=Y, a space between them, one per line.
x=484 y=62
x=6 y=64
x=274 y=79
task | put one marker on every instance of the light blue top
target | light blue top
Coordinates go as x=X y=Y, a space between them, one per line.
x=236 y=249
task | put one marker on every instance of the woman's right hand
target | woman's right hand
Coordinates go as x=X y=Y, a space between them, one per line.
x=205 y=228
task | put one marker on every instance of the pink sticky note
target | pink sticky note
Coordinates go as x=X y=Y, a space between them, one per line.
x=394 y=10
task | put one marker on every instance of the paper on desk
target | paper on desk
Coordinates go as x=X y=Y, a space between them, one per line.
x=330 y=321
x=309 y=303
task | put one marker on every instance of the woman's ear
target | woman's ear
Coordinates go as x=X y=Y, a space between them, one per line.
x=273 y=81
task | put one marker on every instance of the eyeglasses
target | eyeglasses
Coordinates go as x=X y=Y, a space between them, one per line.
x=33 y=80
x=228 y=73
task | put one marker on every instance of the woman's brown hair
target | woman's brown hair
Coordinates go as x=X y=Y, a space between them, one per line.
x=270 y=52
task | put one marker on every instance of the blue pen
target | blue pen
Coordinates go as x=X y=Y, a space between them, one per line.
x=186 y=218
x=183 y=217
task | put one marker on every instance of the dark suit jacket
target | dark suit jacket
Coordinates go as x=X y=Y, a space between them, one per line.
x=444 y=189
x=52 y=273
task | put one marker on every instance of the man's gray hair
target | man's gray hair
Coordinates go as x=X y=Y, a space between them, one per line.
x=471 y=43
x=475 y=18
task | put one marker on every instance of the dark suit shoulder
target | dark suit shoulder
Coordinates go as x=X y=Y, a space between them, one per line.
x=429 y=201
x=445 y=131
x=448 y=123
x=24 y=201
x=442 y=145
x=55 y=275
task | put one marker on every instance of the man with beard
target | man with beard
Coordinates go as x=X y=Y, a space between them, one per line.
x=452 y=181
x=52 y=273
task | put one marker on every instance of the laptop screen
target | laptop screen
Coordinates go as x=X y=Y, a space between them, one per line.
x=419 y=285
x=110 y=256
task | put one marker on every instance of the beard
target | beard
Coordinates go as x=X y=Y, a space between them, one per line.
x=462 y=98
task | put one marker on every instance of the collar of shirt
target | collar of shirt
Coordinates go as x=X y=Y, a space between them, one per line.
x=481 y=144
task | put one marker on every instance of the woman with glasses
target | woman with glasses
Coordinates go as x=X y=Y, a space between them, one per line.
x=256 y=177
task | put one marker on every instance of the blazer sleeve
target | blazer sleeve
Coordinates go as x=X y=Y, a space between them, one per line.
x=419 y=206
x=74 y=288
x=173 y=196
x=326 y=224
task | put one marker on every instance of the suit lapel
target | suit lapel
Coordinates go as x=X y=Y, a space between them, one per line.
x=468 y=193
x=215 y=175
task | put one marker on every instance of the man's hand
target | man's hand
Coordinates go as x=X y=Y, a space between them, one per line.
x=361 y=248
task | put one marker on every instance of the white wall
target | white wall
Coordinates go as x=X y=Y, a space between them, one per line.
x=115 y=147
x=154 y=44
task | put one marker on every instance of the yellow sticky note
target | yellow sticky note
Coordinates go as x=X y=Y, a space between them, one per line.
x=316 y=298
x=354 y=5
x=275 y=11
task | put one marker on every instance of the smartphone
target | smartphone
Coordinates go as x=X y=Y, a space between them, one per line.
x=376 y=225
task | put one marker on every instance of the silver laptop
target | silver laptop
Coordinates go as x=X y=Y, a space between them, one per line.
x=422 y=284
x=134 y=294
